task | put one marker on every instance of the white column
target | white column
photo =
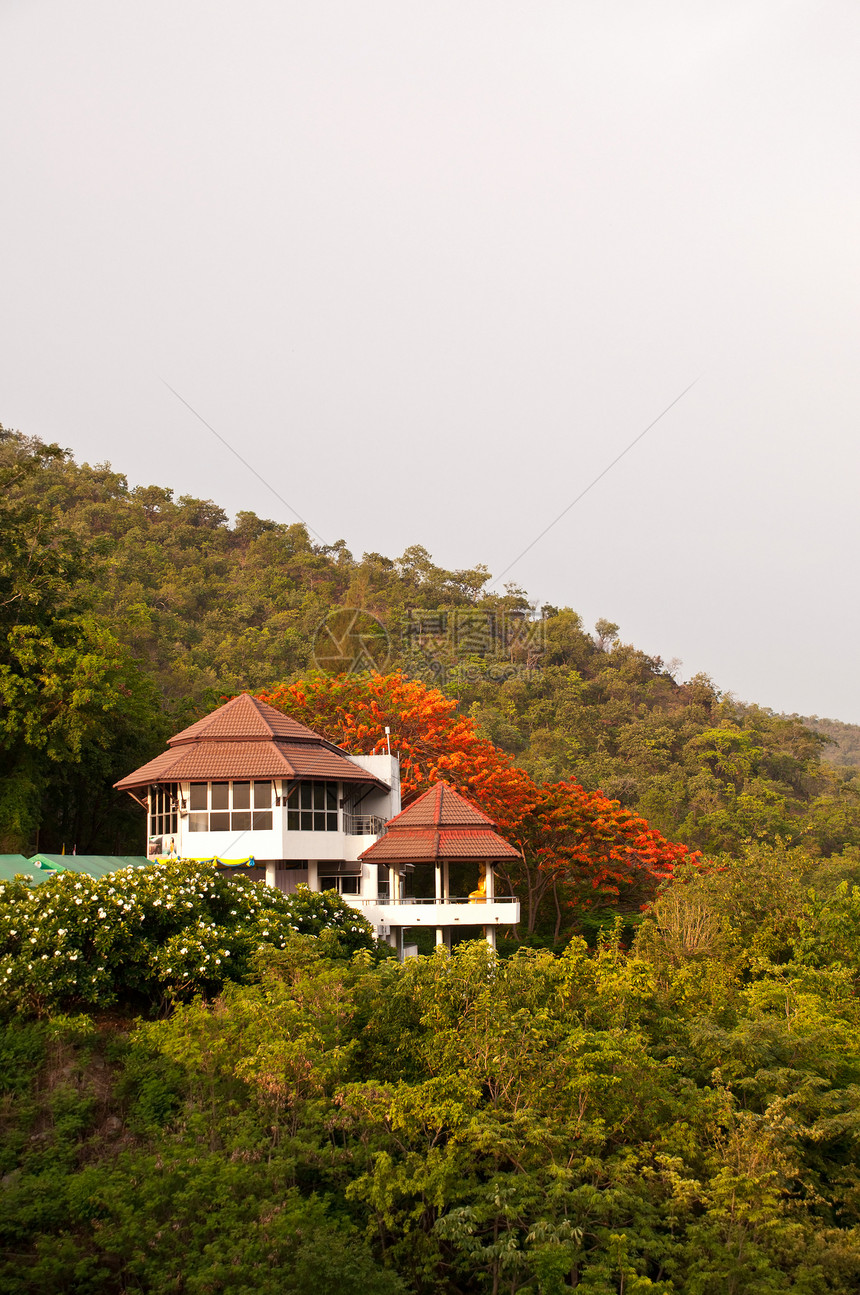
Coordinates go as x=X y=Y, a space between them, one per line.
x=446 y=880
x=490 y=892
x=440 y=934
x=313 y=875
x=271 y=875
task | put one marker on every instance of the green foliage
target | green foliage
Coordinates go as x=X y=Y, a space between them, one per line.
x=843 y=740
x=72 y=700
x=682 y=1125
x=146 y=935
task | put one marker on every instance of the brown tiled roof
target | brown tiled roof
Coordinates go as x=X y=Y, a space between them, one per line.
x=243 y=743
x=440 y=806
x=221 y=761
x=245 y=717
x=441 y=824
x=323 y=762
x=423 y=845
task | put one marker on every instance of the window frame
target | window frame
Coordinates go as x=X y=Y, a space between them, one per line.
x=339 y=879
x=162 y=809
x=313 y=805
x=254 y=812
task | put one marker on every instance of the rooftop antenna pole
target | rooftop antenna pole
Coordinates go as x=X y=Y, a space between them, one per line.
x=388 y=738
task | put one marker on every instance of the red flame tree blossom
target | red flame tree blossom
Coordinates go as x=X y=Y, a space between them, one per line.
x=578 y=845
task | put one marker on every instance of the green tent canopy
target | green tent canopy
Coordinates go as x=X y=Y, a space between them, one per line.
x=94 y=865
x=12 y=865
x=41 y=866
x=101 y=865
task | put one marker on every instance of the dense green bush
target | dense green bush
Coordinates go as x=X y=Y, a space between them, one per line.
x=143 y=936
x=668 y=1123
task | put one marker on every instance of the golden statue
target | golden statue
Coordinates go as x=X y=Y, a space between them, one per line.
x=479 y=896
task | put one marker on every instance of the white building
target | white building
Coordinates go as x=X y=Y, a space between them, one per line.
x=248 y=783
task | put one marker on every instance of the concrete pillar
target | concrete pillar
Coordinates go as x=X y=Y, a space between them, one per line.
x=490 y=936
x=271 y=875
x=313 y=875
x=446 y=880
x=440 y=934
x=490 y=887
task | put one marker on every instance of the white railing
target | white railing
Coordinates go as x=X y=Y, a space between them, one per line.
x=363 y=825
x=496 y=899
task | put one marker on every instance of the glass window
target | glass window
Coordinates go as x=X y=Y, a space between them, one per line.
x=199 y=798
x=312 y=807
x=229 y=807
x=163 y=806
x=343 y=885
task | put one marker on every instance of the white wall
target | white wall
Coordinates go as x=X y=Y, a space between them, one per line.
x=387 y=769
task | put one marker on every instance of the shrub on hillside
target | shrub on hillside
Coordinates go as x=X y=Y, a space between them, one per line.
x=145 y=935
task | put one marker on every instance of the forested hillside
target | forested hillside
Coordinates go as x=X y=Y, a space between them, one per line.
x=843 y=740
x=206 y=1086
x=128 y=612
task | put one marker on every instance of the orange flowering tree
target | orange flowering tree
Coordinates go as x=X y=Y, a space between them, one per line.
x=433 y=741
x=574 y=844
x=586 y=850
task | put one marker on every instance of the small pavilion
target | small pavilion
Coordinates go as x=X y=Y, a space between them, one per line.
x=438 y=828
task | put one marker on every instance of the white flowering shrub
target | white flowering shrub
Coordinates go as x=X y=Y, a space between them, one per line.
x=144 y=935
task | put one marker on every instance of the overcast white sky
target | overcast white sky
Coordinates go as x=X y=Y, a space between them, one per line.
x=429 y=267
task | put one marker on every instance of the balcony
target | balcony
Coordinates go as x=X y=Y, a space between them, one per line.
x=363 y=825
x=503 y=910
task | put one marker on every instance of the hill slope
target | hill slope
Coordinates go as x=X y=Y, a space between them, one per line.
x=175 y=608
